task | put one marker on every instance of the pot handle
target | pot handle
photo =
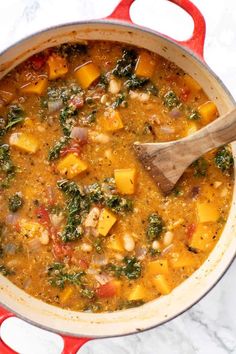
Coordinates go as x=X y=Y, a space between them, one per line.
x=195 y=43
x=71 y=344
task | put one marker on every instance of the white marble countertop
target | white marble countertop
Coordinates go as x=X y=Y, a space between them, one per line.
x=210 y=326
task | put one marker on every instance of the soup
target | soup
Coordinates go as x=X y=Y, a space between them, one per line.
x=83 y=226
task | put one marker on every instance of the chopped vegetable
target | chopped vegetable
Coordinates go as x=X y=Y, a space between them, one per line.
x=208 y=112
x=161 y=284
x=87 y=74
x=71 y=165
x=135 y=82
x=37 y=87
x=155 y=227
x=15 y=115
x=171 y=100
x=111 y=121
x=119 y=204
x=160 y=266
x=105 y=222
x=57 y=66
x=15 y=202
x=54 y=152
x=125 y=180
x=125 y=66
x=6 y=166
x=224 y=159
x=138 y=292
x=131 y=268
x=207 y=212
x=194 y=115
x=109 y=289
x=120 y=101
x=58 y=278
x=192 y=84
x=200 y=167
x=25 y=142
x=145 y=65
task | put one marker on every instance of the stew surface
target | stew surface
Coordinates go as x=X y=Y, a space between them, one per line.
x=82 y=225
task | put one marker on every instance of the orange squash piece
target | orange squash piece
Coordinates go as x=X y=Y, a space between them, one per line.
x=37 y=87
x=208 y=112
x=57 y=66
x=111 y=121
x=145 y=65
x=71 y=165
x=87 y=74
x=125 y=179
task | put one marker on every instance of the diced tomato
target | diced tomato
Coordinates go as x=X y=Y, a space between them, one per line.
x=184 y=94
x=74 y=147
x=43 y=216
x=17 y=226
x=61 y=250
x=107 y=290
x=38 y=61
x=80 y=262
x=76 y=101
x=190 y=229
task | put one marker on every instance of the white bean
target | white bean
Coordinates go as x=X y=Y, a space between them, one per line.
x=129 y=243
x=168 y=237
x=104 y=99
x=85 y=247
x=44 y=238
x=114 y=86
x=99 y=138
x=92 y=217
x=156 y=245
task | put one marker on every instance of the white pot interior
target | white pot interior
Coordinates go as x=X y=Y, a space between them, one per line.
x=190 y=291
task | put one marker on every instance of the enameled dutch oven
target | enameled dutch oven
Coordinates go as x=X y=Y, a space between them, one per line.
x=77 y=328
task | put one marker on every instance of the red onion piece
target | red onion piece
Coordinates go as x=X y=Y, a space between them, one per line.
x=175 y=113
x=12 y=219
x=79 y=133
x=54 y=106
x=166 y=129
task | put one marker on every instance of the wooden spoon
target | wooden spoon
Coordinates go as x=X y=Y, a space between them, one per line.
x=167 y=161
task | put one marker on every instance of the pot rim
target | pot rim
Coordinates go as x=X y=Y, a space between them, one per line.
x=206 y=67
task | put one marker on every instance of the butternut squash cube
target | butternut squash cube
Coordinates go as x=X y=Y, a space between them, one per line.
x=160 y=266
x=202 y=238
x=208 y=112
x=71 y=165
x=106 y=220
x=66 y=294
x=207 y=212
x=125 y=180
x=183 y=260
x=191 y=83
x=36 y=87
x=57 y=66
x=86 y=74
x=117 y=284
x=161 y=284
x=111 y=121
x=138 y=292
x=115 y=244
x=30 y=229
x=145 y=65
x=24 y=142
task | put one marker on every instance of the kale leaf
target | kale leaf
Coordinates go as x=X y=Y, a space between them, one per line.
x=15 y=115
x=200 y=167
x=131 y=268
x=224 y=159
x=155 y=226
x=15 y=202
x=171 y=100
x=135 y=82
x=6 y=166
x=59 y=278
x=54 y=152
x=125 y=66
